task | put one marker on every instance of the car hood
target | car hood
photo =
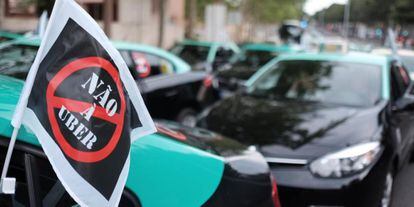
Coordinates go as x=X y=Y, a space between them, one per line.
x=237 y=72
x=292 y=129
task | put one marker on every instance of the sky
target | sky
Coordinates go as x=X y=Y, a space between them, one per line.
x=313 y=6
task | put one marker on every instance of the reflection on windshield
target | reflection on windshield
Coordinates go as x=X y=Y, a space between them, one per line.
x=253 y=58
x=15 y=60
x=321 y=81
x=192 y=54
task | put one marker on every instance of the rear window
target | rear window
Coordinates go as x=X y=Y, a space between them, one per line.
x=16 y=60
x=192 y=54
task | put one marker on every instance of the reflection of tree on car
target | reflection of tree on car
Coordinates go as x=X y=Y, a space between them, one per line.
x=327 y=123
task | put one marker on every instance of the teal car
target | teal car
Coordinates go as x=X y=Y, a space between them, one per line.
x=243 y=65
x=178 y=166
x=143 y=60
x=203 y=55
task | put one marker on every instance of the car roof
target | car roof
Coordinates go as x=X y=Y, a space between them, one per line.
x=355 y=57
x=10 y=35
x=202 y=43
x=269 y=47
x=388 y=51
x=182 y=66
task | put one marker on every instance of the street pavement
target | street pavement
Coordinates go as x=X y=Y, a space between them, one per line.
x=403 y=195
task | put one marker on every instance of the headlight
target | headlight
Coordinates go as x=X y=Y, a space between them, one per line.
x=346 y=162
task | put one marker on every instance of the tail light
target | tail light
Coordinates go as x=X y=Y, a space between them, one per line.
x=275 y=194
x=208 y=81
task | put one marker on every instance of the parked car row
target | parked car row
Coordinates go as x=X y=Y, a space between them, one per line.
x=331 y=128
x=183 y=166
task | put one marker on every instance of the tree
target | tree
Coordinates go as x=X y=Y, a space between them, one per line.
x=272 y=11
x=263 y=11
x=403 y=12
x=384 y=12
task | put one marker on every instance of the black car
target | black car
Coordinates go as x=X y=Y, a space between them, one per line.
x=335 y=128
x=178 y=97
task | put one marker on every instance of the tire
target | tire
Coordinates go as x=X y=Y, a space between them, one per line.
x=387 y=193
x=187 y=117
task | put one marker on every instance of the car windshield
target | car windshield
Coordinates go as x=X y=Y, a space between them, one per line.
x=341 y=83
x=15 y=60
x=192 y=54
x=253 y=58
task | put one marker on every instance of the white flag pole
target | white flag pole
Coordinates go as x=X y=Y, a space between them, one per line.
x=8 y=185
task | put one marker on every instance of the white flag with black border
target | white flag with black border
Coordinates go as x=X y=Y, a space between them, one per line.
x=82 y=103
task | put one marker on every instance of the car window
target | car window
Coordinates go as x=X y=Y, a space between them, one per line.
x=149 y=65
x=192 y=54
x=36 y=182
x=320 y=81
x=253 y=58
x=224 y=54
x=16 y=60
x=126 y=55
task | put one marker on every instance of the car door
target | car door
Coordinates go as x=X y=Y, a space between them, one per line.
x=36 y=182
x=401 y=120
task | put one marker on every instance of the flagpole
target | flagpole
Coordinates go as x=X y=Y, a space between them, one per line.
x=8 y=184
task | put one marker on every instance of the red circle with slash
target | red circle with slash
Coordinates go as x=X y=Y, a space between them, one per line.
x=79 y=106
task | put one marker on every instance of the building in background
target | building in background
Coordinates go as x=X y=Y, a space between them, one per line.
x=133 y=20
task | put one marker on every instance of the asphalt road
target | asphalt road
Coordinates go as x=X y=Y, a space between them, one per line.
x=403 y=194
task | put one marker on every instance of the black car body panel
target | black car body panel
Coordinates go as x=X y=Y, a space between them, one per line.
x=166 y=95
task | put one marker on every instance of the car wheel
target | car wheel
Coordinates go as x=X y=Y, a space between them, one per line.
x=187 y=117
x=387 y=193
